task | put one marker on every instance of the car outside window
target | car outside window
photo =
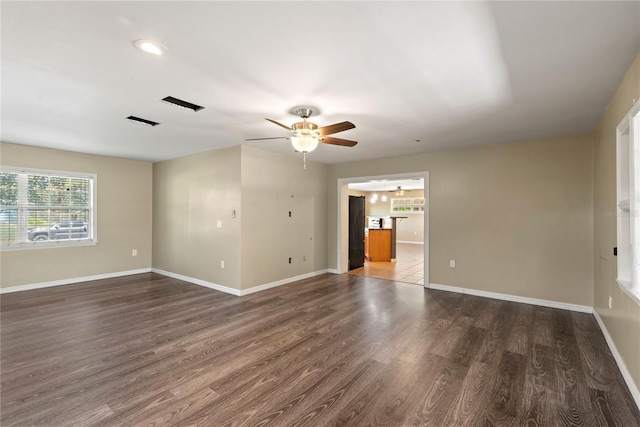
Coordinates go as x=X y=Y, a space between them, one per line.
x=46 y=208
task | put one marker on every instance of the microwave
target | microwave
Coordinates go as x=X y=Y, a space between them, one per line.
x=373 y=222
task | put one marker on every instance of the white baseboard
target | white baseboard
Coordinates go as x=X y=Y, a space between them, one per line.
x=237 y=292
x=199 y=282
x=71 y=281
x=281 y=282
x=333 y=271
x=410 y=242
x=633 y=388
x=513 y=298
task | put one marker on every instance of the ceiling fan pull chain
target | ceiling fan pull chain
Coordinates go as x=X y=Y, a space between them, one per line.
x=304 y=158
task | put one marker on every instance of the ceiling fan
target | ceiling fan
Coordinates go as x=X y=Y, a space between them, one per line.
x=306 y=135
x=399 y=191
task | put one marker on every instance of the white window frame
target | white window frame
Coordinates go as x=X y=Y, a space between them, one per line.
x=628 y=203
x=92 y=231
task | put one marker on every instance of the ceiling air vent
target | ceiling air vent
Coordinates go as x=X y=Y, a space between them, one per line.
x=180 y=103
x=142 y=121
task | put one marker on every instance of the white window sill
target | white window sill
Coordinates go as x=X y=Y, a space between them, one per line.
x=47 y=245
x=625 y=285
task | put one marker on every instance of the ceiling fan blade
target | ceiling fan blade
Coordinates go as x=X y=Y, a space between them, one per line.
x=279 y=124
x=338 y=141
x=335 y=128
x=261 y=139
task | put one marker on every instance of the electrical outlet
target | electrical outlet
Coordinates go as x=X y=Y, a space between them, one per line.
x=219 y=223
x=134 y=252
x=610 y=302
x=221 y=264
x=304 y=257
x=452 y=263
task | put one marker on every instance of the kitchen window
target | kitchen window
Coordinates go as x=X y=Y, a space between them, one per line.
x=40 y=208
x=407 y=205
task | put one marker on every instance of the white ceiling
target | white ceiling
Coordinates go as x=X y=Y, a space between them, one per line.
x=449 y=74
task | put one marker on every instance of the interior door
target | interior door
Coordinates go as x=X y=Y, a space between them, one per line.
x=356 y=231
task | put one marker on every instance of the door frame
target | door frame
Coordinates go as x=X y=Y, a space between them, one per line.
x=342 y=261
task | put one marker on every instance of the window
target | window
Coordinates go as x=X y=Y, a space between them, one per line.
x=628 y=202
x=407 y=205
x=46 y=208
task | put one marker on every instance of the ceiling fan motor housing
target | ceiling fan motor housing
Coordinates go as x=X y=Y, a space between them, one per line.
x=305 y=112
x=304 y=128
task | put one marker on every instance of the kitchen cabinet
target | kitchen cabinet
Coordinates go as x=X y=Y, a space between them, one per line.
x=378 y=245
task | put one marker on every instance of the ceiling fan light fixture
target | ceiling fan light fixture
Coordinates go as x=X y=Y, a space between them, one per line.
x=304 y=143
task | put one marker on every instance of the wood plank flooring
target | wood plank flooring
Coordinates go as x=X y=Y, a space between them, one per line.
x=330 y=350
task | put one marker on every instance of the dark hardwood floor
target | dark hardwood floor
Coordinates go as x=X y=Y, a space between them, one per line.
x=330 y=350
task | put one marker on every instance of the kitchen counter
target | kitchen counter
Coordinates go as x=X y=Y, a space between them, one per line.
x=377 y=245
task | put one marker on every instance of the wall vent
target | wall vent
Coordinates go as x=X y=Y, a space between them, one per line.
x=180 y=103
x=142 y=121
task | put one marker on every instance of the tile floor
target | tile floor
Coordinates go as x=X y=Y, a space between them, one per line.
x=409 y=267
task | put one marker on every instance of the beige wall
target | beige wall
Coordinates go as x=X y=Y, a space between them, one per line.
x=623 y=320
x=190 y=194
x=272 y=186
x=123 y=219
x=516 y=217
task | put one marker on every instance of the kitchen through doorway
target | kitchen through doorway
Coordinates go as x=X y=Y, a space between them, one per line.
x=394 y=248
x=408 y=268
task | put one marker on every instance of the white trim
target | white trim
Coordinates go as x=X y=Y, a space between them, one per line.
x=50 y=172
x=199 y=282
x=627 y=171
x=333 y=271
x=234 y=291
x=277 y=283
x=91 y=240
x=633 y=388
x=409 y=242
x=72 y=281
x=513 y=298
x=625 y=286
x=342 y=193
x=47 y=245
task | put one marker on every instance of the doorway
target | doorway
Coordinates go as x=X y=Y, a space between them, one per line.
x=412 y=238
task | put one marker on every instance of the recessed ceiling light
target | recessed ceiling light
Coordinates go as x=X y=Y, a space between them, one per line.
x=151 y=47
